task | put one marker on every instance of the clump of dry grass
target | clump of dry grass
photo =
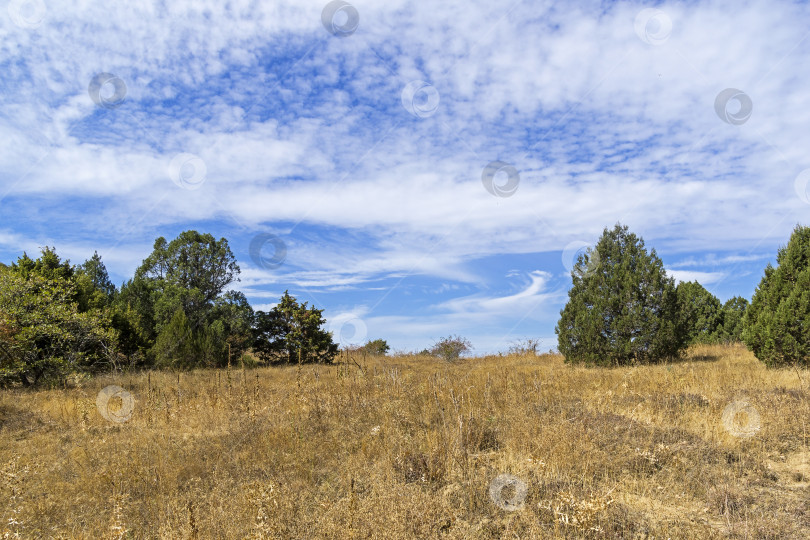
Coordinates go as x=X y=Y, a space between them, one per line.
x=408 y=447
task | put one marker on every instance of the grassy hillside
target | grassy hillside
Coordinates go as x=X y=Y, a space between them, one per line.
x=407 y=447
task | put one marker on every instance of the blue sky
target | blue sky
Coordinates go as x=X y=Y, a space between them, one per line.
x=363 y=154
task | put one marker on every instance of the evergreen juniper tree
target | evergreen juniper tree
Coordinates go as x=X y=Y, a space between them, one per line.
x=701 y=312
x=622 y=308
x=292 y=332
x=191 y=274
x=777 y=323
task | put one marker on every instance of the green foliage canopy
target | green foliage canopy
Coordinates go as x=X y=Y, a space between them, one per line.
x=189 y=274
x=733 y=319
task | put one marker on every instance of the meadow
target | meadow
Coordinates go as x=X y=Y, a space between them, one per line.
x=713 y=446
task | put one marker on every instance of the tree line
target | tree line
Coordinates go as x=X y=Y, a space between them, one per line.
x=623 y=308
x=177 y=311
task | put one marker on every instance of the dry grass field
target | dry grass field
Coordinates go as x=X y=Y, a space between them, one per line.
x=409 y=447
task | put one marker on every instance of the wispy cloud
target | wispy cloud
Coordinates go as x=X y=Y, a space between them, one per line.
x=525 y=301
x=704 y=278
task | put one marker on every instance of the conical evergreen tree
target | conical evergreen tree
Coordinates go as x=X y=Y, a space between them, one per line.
x=622 y=308
x=95 y=269
x=777 y=323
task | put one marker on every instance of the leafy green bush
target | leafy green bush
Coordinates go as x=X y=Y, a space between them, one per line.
x=733 y=318
x=175 y=346
x=43 y=335
x=525 y=347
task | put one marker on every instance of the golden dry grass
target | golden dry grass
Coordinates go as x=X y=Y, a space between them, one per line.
x=408 y=447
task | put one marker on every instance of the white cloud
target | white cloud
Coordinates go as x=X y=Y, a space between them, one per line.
x=714 y=260
x=704 y=278
x=524 y=301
